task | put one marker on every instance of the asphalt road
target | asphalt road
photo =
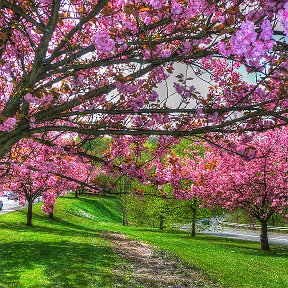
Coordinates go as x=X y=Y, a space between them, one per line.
x=9 y=205
x=250 y=235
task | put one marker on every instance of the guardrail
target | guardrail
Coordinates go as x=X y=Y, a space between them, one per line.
x=251 y=226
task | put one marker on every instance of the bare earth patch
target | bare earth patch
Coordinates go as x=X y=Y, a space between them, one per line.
x=147 y=267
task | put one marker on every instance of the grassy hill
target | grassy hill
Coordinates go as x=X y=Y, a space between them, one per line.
x=70 y=251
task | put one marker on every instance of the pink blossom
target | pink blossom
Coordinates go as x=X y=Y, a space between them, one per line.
x=8 y=124
x=103 y=42
x=176 y=8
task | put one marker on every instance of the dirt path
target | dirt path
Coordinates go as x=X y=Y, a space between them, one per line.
x=147 y=267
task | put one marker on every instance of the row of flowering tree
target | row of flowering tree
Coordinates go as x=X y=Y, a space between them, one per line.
x=159 y=170
x=93 y=68
x=248 y=172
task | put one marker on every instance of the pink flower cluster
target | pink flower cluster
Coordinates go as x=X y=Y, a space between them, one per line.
x=49 y=201
x=38 y=101
x=254 y=179
x=127 y=88
x=156 y=3
x=103 y=42
x=176 y=8
x=45 y=2
x=185 y=92
x=137 y=102
x=246 y=43
x=8 y=124
x=283 y=17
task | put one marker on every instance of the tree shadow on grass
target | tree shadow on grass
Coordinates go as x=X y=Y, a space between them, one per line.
x=275 y=251
x=56 y=264
x=41 y=223
x=62 y=229
x=249 y=246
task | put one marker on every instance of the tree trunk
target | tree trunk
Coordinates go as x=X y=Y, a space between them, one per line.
x=80 y=191
x=51 y=215
x=76 y=193
x=124 y=220
x=161 y=226
x=193 y=218
x=125 y=190
x=264 y=236
x=29 y=213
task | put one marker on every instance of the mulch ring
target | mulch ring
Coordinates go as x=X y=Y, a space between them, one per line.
x=144 y=266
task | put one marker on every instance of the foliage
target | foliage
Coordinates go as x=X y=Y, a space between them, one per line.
x=92 y=68
x=151 y=211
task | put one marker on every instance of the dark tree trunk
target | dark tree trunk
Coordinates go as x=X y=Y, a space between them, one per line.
x=264 y=236
x=124 y=220
x=193 y=218
x=76 y=193
x=51 y=215
x=79 y=192
x=29 y=213
x=161 y=226
x=193 y=223
x=124 y=187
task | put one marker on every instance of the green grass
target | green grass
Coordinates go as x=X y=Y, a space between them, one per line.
x=70 y=251
x=66 y=252
x=230 y=262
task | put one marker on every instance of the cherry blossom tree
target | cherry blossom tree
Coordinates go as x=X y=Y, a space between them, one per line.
x=93 y=67
x=36 y=170
x=255 y=179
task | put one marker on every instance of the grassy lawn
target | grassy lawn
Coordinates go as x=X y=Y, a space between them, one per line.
x=70 y=252
x=230 y=262
x=66 y=252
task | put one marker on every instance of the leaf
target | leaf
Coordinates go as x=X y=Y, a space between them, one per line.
x=170 y=69
x=3 y=36
x=144 y=9
x=129 y=78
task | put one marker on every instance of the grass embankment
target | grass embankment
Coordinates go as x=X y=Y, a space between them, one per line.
x=70 y=252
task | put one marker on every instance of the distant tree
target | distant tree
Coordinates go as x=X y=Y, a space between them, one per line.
x=161 y=169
